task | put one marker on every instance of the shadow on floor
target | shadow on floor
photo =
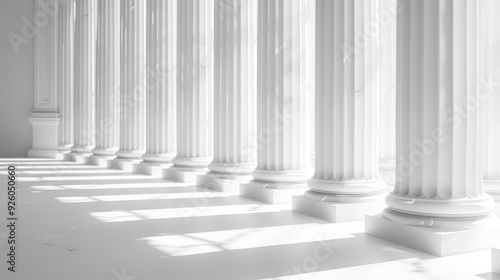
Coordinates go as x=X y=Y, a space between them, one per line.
x=91 y=224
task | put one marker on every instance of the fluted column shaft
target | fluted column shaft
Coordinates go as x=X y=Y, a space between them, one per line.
x=108 y=78
x=66 y=27
x=195 y=82
x=346 y=102
x=490 y=81
x=235 y=88
x=133 y=79
x=85 y=61
x=283 y=156
x=387 y=95
x=161 y=81
x=439 y=116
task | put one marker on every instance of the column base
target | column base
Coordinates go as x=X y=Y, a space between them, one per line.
x=231 y=169
x=151 y=168
x=222 y=182
x=338 y=212
x=102 y=161
x=272 y=193
x=495 y=260
x=159 y=158
x=125 y=164
x=435 y=241
x=52 y=154
x=183 y=175
x=105 y=152
x=130 y=154
x=192 y=163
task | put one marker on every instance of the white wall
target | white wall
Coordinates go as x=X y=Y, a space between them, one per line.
x=16 y=79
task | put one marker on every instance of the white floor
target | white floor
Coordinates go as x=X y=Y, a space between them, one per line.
x=80 y=222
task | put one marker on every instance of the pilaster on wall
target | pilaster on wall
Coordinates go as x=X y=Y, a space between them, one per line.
x=45 y=116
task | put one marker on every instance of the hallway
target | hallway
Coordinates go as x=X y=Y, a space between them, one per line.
x=88 y=222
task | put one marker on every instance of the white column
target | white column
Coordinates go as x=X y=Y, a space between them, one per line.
x=66 y=25
x=439 y=122
x=45 y=116
x=386 y=23
x=310 y=45
x=108 y=79
x=490 y=81
x=84 y=101
x=194 y=90
x=132 y=81
x=235 y=95
x=283 y=153
x=161 y=83
x=346 y=184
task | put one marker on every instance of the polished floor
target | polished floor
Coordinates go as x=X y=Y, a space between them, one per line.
x=81 y=222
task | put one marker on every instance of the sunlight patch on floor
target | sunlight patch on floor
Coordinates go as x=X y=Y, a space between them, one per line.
x=153 y=196
x=81 y=178
x=210 y=242
x=184 y=212
x=162 y=184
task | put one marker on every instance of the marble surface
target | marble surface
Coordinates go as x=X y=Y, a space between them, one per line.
x=83 y=222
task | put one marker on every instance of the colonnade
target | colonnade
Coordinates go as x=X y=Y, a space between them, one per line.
x=218 y=93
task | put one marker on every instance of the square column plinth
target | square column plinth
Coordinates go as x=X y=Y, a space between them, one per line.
x=221 y=183
x=183 y=175
x=152 y=169
x=80 y=158
x=438 y=242
x=270 y=195
x=128 y=165
x=102 y=161
x=336 y=212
